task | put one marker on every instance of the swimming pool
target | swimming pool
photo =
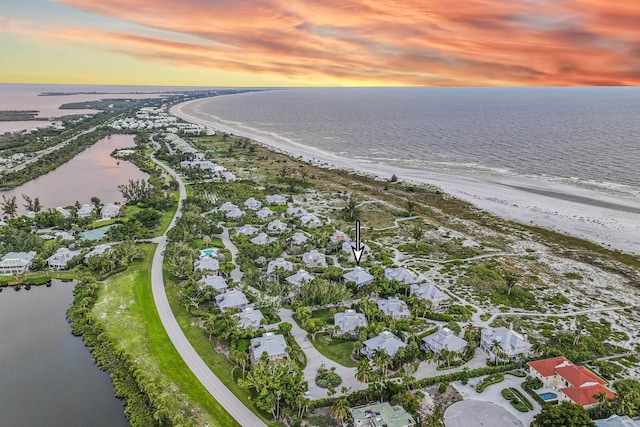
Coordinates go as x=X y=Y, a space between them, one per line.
x=548 y=396
x=209 y=252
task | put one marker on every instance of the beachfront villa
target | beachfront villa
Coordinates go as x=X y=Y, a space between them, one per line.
x=381 y=414
x=276 y=199
x=216 y=282
x=232 y=298
x=300 y=278
x=359 y=276
x=512 y=345
x=279 y=264
x=98 y=250
x=394 y=307
x=60 y=259
x=299 y=239
x=349 y=322
x=437 y=299
x=274 y=345
x=16 y=262
x=564 y=381
x=252 y=204
x=262 y=239
x=249 y=318
x=110 y=210
x=85 y=211
x=386 y=340
x=64 y=212
x=400 y=274
x=314 y=259
x=276 y=226
x=444 y=339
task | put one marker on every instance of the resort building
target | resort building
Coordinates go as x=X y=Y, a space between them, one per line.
x=400 y=274
x=276 y=199
x=216 y=282
x=276 y=226
x=247 y=230
x=252 y=204
x=568 y=382
x=85 y=211
x=512 y=345
x=249 y=318
x=433 y=295
x=444 y=339
x=300 y=278
x=274 y=345
x=59 y=260
x=394 y=307
x=262 y=239
x=16 y=262
x=233 y=298
x=384 y=341
x=314 y=259
x=279 y=263
x=359 y=276
x=349 y=321
x=381 y=415
x=264 y=213
x=109 y=211
x=299 y=239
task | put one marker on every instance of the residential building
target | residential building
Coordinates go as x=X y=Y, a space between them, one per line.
x=228 y=176
x=249 y=318
x=314 y=259
x=300 y=278
x=235 y=213
x=262 y=239
x=400 y=274
x=444 y=339
x=381 y=415
x=310 y=220
x=296 y=211
x=227 y=207
x=247 y=230
x=279 y=263
x=512 y=345
x=264 y=213
x=339 y=237
x=572 y=383
x=16 y=262
x=85 y=211
x=59 y=260
x=359 y=276
x=276 y=226
x=276 y=199
x=65 y=212
x=433 y=295
x=299 y=239
x=207 y=264
x=349 y=321
x=274 y=345
x=233 y=298
x=385 y=340
x=216 y=282
x=98 y=250
x=110 y=210
x=394 y=307
x=252 y=204
x=617 y=421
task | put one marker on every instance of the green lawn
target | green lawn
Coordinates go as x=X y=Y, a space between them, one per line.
x=41 y=274
x=217 y=362
x=127 y=308
x=324 y=315
x=168 y=215
x=337 y=350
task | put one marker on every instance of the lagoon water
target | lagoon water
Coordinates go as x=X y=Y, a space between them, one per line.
x=47 y=376
x=91 y=173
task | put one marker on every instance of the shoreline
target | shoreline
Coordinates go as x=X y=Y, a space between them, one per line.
x=607 y=219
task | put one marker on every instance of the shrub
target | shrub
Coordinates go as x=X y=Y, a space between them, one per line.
x=326 y=379
x=491 y=379
x=442 y=387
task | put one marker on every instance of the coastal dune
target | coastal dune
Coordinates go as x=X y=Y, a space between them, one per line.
x=608 y=218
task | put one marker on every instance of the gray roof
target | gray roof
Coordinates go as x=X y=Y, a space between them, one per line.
x=358 y=275
x=279 y=263
x=98 y=250
x=62 y=255
x=233 y=298
x=276 y=225
x=339 y=237
x=428 y=291
x=274 y=345
x=511 y=342
x=20 y=259
x=299 y=238
x=299 y=277
x=261 y=239
x=400 y=274
x=216 y=282
x=445 y=338
x=310 y=220
x=617 y=421
x=264 y=213
x=227 y=206
x=394 y=307
x=207 y=263
x=247 y=230
x=235 y=213
x=314 y=258
x=252 y=203
x=386 y=340
x=249 y=318
x=349 y=321
x=276 y=199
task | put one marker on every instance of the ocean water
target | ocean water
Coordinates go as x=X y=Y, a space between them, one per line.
x=588 y=136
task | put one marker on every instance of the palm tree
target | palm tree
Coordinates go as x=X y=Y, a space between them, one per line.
x=601 y=398
x=351 y=206
x=340 y=409
x=436 y=419
x=417 y=231
x=382 y=360
x=410 y=205
x=511 y=279
x=364 y=372
x=357 y=347
x=495 y=348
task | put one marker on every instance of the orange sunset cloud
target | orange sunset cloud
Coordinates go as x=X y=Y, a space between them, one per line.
x=375 y=42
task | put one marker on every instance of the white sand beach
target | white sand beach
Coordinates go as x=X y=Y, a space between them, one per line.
x=607 y=217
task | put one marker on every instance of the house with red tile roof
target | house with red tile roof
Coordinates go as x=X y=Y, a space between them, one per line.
x=574 y=383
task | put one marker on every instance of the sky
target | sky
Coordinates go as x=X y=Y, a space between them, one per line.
x=321 y=42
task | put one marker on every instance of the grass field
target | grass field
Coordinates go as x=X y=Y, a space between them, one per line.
x=39 y=275
x=337 y=350
x=126 y=307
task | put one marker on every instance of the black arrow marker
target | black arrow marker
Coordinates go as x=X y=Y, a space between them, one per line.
x=357 y=251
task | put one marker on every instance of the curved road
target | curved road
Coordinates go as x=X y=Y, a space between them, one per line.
x=218 y=390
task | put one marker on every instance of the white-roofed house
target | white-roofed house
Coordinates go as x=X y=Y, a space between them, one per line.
x=431 y=293
x=299 y=239
x=394 y=307
x=386 y=340
x=274 y=345
x=296 y=211
x=60 y=259
x=314 y=259
x=348 y=248
x=207 y=264
x=216 y=282
x=310 y=220
x=276 y=226
x=98 y=250
x=227 y=206
x=249 y=318
x=65 y=212
x=264 y=213
x=232 y=299
x=445 y=338
x=247 y=230
x=16 y=262
x=512 y=344
x=110 y=210
x=262 y=239
x=359 y=276
x=279 y=263
x=85 y=211
x=300 y=278
x=235 y=213
x=400 y=274
x=276 y=199
x=252 y=204
x=349 y=321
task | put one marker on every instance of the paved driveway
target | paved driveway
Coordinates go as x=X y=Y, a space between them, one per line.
x=477 y=413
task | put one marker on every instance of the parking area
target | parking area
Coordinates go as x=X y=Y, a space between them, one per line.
x=478 y=413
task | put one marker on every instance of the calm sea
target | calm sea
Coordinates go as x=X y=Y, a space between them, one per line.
x=585 y=135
